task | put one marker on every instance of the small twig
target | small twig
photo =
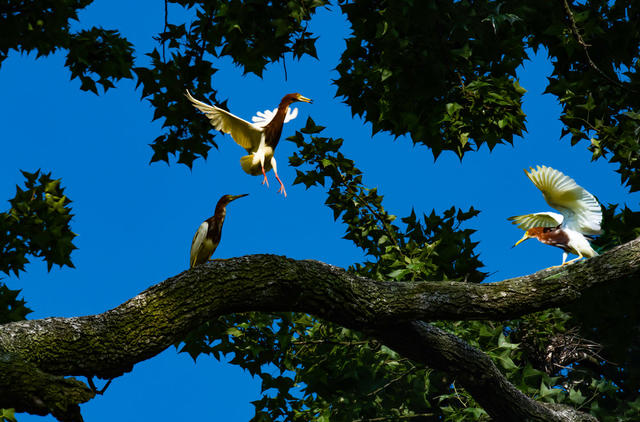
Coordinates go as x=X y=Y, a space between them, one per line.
x=585 y=122
x=585 y=46
x=335 y=342
x=453 y=384
x=593 y=396
x=386 y=418
x=166 y=25
x=393 y=381
x=204 y=36
x=93 y=386
x=284 y=65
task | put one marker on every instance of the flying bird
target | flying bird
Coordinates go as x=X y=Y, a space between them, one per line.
x=260 y=140
x=207 y=237
x=579 y=219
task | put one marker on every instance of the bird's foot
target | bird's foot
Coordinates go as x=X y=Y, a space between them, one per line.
x=567 y=263
x=265 y=179
x=284 y=192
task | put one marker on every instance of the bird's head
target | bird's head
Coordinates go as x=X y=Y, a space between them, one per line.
x=230 y=198
x=225 y=199
x=292 y=98
x=532 y=233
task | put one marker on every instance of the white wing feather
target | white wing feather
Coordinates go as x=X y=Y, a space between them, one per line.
x=262 y=118
x=198 y=242
x=244 y=133
x=538 y=219
x=292 y=113
x=580 y=209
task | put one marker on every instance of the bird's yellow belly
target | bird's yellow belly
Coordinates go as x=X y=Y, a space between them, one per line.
x=206 y=251
x=254 y=166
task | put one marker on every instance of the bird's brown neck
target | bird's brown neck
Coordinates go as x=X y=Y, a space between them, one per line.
x=553 y=236
x=221 y=211
x=274 y=129
x=217 y=219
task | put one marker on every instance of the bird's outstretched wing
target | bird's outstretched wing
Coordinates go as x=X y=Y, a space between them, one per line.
x=244 y=133
x=538 y=219
x=262 y=118
x=198 y=243
x=292 y=113
x=580 y=209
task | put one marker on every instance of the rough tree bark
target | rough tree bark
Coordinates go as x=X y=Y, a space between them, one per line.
x=110 y=344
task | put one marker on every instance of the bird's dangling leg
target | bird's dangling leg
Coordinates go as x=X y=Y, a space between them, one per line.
x=284 y=192
x=275 y=171
x=259 y=156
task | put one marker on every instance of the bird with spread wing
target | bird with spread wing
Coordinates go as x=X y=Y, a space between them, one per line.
x=260 y=138
x=580 y=215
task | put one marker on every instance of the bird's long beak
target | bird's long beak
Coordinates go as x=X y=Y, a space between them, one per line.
x=305 y=99
x=234 y=197
x=525 y=237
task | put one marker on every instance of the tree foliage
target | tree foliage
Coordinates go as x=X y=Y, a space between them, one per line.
x=37 y=225
x=95 y=55
x=448 y=81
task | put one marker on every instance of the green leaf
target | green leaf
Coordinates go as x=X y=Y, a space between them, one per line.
x=503 y=343
x=7 y=415
x=576 y=397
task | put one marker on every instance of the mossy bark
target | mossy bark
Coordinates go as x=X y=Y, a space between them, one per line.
x=110 y=344
x=26 y=388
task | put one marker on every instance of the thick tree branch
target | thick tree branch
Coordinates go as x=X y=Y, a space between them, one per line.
x=109 y=344
x=26 y=388
x=475 y=371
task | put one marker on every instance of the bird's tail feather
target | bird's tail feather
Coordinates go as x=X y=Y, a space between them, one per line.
x=251 y=165
x=590 y=253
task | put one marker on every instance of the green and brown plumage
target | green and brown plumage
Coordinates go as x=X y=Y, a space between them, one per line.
x=207 y=237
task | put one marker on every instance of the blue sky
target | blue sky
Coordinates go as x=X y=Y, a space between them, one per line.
x=135 y=221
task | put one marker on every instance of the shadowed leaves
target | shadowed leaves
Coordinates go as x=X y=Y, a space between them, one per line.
x=37 y=224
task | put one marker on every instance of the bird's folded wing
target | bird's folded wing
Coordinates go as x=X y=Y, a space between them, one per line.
x=198 y=242
x=580 y=209
x=262 y=118
x=244 y=133
x=538 y=219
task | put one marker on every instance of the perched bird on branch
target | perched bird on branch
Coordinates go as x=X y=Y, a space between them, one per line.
x=207 y=237
x=260 y=140
x=579 y=219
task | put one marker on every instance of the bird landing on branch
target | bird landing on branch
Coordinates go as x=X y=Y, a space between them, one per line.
x=260 y=140
x=579 y=219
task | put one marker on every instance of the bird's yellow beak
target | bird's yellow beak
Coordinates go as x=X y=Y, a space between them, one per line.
x=525 y=237
x=305 y=99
